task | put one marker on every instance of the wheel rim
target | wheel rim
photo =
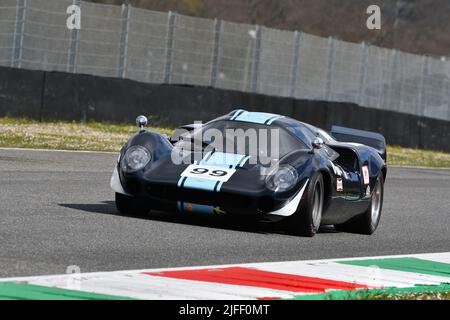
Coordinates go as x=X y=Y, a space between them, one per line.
x=376 y=203
x=317 y=207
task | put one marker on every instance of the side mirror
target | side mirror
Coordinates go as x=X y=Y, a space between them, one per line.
x=318 y=143
x=141 y=122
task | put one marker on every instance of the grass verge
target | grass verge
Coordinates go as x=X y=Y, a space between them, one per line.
x=419 y=292
x=90 y=136
x=102 y=136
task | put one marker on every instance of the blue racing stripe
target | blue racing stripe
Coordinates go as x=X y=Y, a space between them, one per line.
x=224 y=160
x=243 y=161
x=273 y=120
x=218 y=159
x=200 y=184
x=237 y=113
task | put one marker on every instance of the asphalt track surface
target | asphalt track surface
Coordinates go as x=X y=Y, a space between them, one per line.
x=56 y=210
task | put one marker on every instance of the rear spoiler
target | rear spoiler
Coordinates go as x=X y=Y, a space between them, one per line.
x=371 y=139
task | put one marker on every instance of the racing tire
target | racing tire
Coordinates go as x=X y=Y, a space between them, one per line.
x=306 y=221
x=131 y=206
x=367 y=222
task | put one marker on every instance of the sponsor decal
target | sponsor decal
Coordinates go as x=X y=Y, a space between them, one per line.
x=208 y=172
x=219 y=211
x=185 y=207
x=212 y=172
x=365 y=172
x=368 y=191
x=339 y=185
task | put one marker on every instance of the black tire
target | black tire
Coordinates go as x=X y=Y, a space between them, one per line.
x=131 y=206
x=306 y=221
x=367 y=222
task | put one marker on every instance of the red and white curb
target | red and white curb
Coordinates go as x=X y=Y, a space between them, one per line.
x=272 y=280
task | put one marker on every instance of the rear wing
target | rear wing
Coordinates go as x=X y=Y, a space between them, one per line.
x=371 y=139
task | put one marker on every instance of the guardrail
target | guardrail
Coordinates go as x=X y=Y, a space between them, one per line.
x=156 y=47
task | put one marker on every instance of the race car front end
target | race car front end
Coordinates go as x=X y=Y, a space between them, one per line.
x=222 y=184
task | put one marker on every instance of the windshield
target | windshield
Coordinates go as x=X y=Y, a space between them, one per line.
x=245 y=138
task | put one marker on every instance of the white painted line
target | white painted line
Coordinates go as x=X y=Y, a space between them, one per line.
x=417 y=167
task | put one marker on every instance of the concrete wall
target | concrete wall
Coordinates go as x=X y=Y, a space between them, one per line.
x=63 y=96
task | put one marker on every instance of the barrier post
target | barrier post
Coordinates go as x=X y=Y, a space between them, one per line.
x=330 y=68
x=123 y=49
x=298 y=36
x=256 y=60
x=363 y=72
x=216 y=52
x=169 y=47
x=19 y=30
x=73 y=46
x=422 y=103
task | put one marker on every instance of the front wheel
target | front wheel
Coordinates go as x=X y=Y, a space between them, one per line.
x=131 y=206
x=306 y=221
x=367 y=222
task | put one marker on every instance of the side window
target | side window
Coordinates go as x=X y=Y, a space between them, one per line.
x=302 y=134
x=289 y=143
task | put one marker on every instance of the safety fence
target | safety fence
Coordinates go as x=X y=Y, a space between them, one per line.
x=157 y=47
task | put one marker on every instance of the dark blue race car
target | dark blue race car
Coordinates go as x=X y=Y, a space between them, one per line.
x=282 y=169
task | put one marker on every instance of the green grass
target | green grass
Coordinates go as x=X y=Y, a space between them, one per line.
x=409 y=296
x=419 y=292
x=418 y=158
x=103 y=136
x=89 y=136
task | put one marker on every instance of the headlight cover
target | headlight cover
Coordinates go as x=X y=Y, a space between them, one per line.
x=135 y=158
x=283 y=179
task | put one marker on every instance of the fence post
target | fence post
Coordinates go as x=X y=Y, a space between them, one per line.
x=447 y=68
x=216 y=51
x=421 y=103
x=363 y=72
x=448 y=85
x=169 y=47
x=298 y=36
x=256 y=60
x=73 y=45
x=16 y=60
x=393 y=70
x=330 y=68
x=123 y=50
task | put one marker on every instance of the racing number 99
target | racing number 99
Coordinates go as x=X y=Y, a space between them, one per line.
x=213 y=173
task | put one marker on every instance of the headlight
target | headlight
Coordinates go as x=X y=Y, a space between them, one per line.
x=135 y=158
x=283 y=179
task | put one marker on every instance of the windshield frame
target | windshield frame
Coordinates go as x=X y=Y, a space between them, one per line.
x=300 y=144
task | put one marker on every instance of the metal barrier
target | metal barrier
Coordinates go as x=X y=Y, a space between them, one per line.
x=155 y=47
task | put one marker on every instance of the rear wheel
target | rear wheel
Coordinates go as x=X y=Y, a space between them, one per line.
x=306 y=221
x=367 y=222
x=131 y=206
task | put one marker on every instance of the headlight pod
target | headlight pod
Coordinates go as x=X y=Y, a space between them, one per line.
x=283 y=179
x=135 y=158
